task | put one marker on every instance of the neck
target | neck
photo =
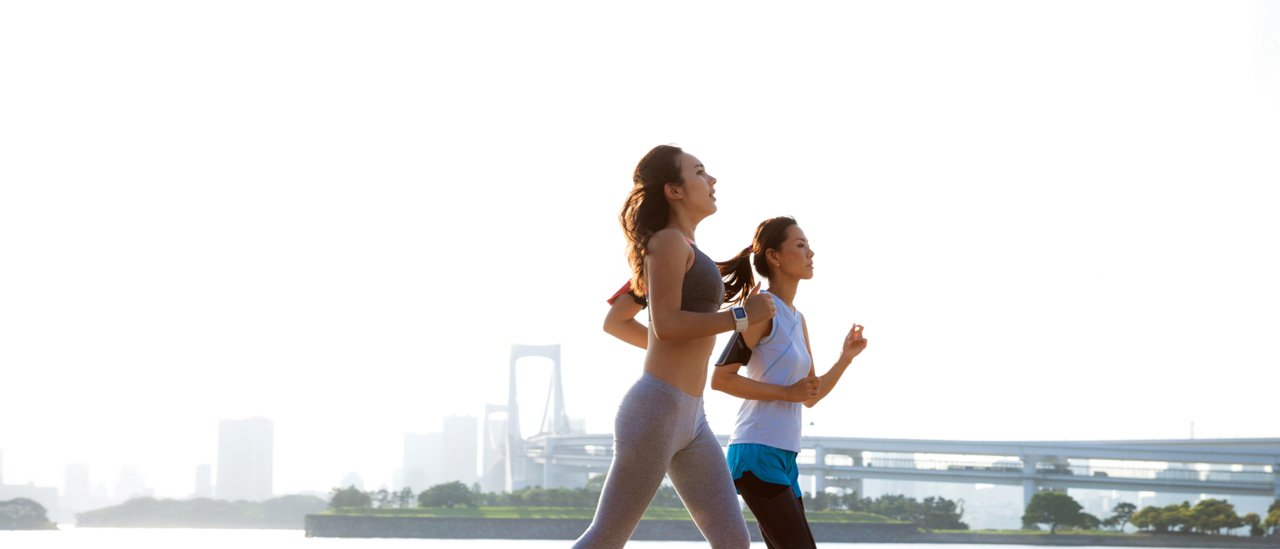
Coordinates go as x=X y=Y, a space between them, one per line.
x=681 y=221
x=785 y=288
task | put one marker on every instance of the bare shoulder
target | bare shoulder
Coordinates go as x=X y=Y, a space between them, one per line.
x=668 y=241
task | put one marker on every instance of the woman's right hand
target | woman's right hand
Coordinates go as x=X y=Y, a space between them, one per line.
x=759 y=307
x=805 y=389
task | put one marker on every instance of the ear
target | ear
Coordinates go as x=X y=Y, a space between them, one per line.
x=673 y=191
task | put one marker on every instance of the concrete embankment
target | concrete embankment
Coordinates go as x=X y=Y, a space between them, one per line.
x=1076 y=540
x=355 y=526
x=363 y=526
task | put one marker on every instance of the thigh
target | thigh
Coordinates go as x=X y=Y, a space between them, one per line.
x=628 y=489
x=642 y=452
x=701 y=477
x=779 y=513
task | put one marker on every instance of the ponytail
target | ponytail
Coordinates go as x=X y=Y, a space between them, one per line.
x=738 y=280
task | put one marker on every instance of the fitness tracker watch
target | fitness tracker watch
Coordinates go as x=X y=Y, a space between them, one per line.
x=739 y=318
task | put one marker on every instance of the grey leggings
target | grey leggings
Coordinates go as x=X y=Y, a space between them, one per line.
x=659 y=431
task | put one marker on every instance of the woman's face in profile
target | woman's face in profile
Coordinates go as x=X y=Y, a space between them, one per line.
x=699 y=186
x=795 y=256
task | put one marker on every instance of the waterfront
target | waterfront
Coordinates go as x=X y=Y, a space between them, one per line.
x=70 y=537
x=95 y=538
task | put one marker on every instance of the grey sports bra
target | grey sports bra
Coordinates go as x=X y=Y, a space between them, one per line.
x=703 y=288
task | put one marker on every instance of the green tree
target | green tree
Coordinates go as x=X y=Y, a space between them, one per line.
x=24 y=514
x=666 y=498
x=1087 y=521
x=938 y=513
x=1273 y=520
x=897 y=507
x=381 y=499
x=1254 y=522
x=1211 y=516
x=1052 y=508
x=449 y=494
x=596 y=483
x=404 y=498
x=1150 y=517
x=822 y=501
x=851 y=501
x=1177 y=516
x=1121 y=514
x=349 y=497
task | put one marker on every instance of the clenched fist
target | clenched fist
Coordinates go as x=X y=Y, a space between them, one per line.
x=805 y=389
x=759 y=307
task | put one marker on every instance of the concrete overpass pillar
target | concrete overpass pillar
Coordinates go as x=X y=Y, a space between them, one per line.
x=1029 y=484
x=820 y=463
x=856 y=484
x=548 y=470
x=1275 y=477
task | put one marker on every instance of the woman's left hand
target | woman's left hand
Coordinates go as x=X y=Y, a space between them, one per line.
x=854 y=343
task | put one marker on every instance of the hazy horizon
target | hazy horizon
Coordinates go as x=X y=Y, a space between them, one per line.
x=1052 y=218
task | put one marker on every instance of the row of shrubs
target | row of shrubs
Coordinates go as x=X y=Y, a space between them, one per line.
x=932 y=513
x=1210 y=516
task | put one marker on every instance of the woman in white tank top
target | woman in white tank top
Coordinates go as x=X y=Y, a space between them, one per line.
x=779 y=377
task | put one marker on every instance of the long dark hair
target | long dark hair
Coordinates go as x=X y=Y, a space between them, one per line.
x=646 y=210
x=738 y=280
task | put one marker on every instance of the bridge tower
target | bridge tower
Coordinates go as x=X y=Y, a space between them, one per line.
x=554 y=419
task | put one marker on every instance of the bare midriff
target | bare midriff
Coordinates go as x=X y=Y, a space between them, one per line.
x=681 y=364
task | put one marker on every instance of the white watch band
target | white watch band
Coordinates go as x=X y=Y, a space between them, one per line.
x=739 y=319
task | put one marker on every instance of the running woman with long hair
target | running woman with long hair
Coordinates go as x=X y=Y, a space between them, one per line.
x=780 y=376
x=661 y=429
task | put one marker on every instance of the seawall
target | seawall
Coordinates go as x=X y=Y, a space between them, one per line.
x=355 y=526
x=364 y=526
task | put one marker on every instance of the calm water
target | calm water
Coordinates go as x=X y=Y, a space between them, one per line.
x=103 y=538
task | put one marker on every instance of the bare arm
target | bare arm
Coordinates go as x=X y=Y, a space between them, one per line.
x=667 y=258
x=854 y=343
x=620 y=322
x=727 y=380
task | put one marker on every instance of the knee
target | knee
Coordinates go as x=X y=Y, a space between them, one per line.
x=742 y=543
x=737 y=539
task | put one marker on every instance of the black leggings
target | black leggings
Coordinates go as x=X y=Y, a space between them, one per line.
x=779 y=514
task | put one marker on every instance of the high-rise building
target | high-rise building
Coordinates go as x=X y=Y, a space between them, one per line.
x=77 y=491
x=422 y=457
x=458 y=449
x=245 y=453
x=437 y=458
x=204 y=481
x=494 y=443
x=131 y=484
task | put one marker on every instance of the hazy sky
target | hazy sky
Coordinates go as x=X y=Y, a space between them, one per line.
x=1057 y=220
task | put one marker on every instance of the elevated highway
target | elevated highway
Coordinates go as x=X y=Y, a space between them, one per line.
x=1216 y=466
x=558 y=457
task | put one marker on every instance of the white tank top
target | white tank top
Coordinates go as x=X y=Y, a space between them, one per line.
x=781 y=358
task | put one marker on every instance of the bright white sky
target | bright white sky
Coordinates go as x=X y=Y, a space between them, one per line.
x=1057 y=220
